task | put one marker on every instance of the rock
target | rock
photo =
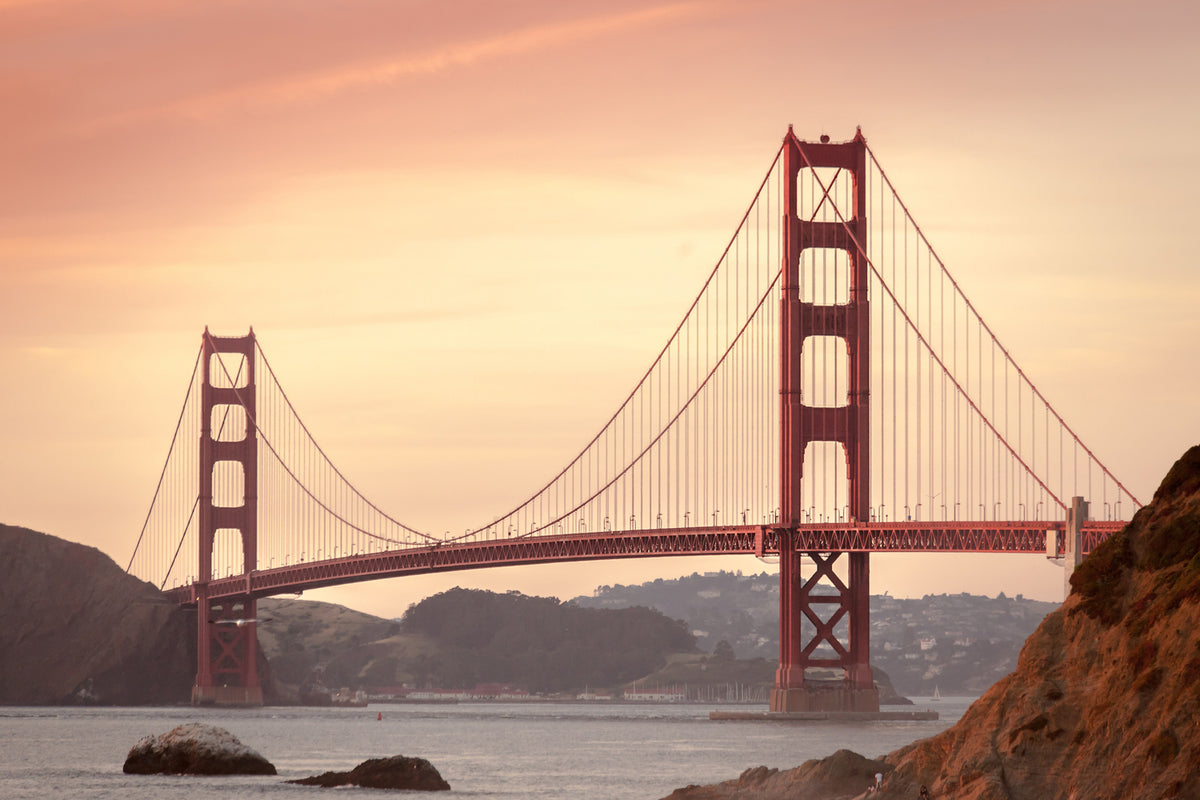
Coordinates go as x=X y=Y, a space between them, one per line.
x=195 y=749
x=842 y=775
x=1105 y=698
x=397 y=772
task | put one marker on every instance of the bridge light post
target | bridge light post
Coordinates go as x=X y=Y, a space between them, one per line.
x=607 y=523
x=658 y=520
x=686 y=518
x=996 y=511
x=883 y=511
x=1037 y=510
x=716 y=513
x=582 y=525
x=632 y=522
x=917 y=512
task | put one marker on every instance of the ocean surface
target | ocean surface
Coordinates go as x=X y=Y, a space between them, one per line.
x=490 y=751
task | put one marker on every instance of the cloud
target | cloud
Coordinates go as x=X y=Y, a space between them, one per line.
x=320 y=84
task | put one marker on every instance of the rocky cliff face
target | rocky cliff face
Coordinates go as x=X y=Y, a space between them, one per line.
x=74 y=628
x=1105 y=700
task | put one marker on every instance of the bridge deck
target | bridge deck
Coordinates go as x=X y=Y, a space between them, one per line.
x=876 y=537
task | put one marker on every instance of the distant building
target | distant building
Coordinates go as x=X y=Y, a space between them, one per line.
x=660 y=695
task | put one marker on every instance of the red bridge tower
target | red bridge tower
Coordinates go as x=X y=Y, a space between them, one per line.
x=802 y=424
x=227 y=640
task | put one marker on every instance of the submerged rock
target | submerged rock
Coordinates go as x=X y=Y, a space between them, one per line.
x=195 y=749
x=396 y=772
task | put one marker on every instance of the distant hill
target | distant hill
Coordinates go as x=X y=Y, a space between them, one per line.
x=957 y=643
x=300 y=636
x=463 y=637
x=74 y=628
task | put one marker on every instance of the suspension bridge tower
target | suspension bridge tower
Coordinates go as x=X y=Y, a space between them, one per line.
x=808 y=618
x=227 y=639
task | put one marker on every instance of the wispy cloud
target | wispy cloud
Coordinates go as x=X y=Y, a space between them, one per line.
x=320 y=84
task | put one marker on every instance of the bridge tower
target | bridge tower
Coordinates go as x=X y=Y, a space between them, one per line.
x=803 y=424
x=227 y=640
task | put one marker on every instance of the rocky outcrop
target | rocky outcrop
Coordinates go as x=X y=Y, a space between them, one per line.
x=841 y=776
x=397 y=772
x=74 y=628
x=1105 y=699
x=195 y=749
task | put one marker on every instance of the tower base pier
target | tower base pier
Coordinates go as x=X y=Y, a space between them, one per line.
x=830 y=697
x=241 y=696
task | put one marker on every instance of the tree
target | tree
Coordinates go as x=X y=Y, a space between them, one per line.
x=723 y=652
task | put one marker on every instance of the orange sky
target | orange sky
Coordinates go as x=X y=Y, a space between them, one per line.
x=463 y=230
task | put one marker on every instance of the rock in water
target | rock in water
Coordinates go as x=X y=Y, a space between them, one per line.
x=397 y=772
x=195 y=749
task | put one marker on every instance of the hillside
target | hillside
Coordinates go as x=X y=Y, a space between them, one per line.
x=1103 y=703
x=299 y=636
x=462 y=637
x=959 y=643
x=74 y=628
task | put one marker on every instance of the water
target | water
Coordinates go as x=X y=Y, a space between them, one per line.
x=485 y=751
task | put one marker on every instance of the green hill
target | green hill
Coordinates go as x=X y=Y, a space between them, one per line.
x=462 y=637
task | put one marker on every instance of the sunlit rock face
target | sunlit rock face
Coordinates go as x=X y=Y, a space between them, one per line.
x=1105 y=700
x=195 y=749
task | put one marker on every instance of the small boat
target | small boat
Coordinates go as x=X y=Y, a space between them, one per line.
x=937 y=695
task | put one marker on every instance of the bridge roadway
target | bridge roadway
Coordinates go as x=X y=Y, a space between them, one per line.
x=874 y=537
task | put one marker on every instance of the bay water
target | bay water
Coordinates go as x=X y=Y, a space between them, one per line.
x=486 y=751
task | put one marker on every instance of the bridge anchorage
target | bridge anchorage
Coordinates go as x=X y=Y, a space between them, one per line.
x=830 y=393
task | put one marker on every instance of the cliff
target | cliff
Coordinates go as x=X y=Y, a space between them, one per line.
x=74 y=628
x=1104 y=702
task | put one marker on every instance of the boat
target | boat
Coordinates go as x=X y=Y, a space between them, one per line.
x=937 y=695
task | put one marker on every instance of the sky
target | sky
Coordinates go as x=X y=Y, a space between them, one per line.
x=462 y=230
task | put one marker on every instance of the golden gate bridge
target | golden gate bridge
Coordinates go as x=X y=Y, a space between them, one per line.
x=830 y=392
